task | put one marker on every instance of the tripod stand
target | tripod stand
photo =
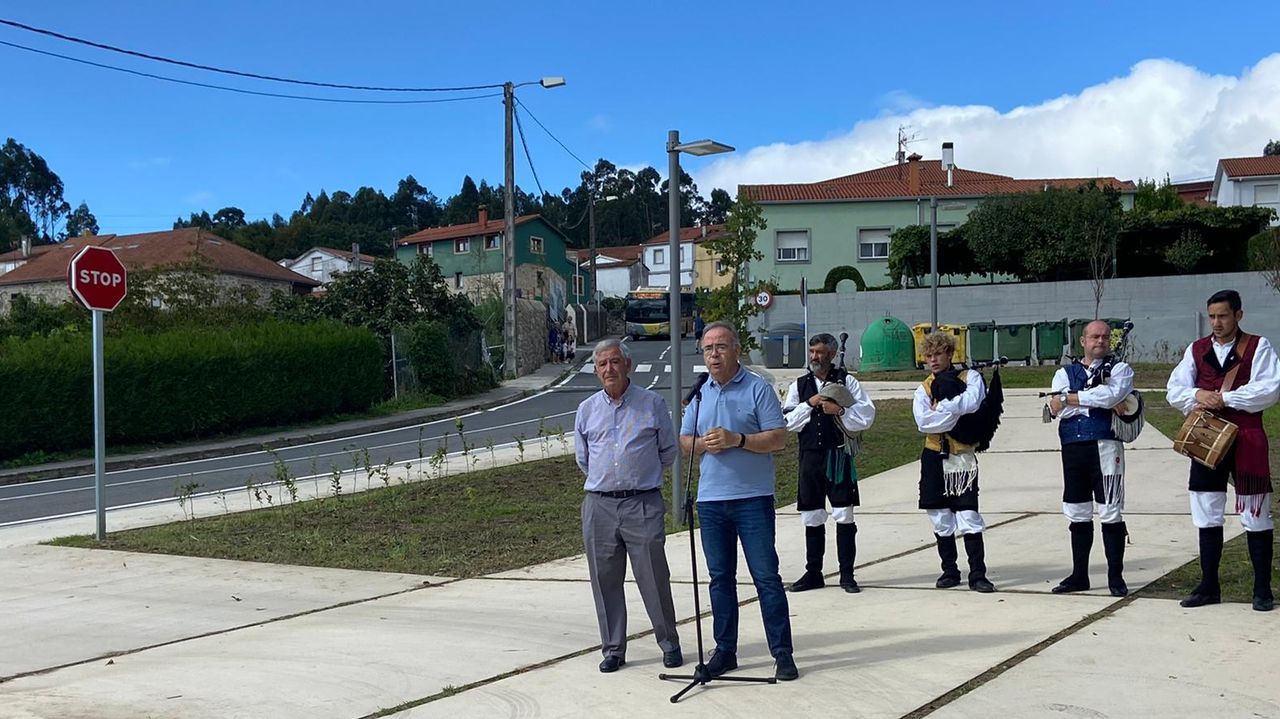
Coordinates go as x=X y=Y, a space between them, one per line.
x=701 y=675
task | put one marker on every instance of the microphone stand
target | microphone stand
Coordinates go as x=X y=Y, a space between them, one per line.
x=700 y=674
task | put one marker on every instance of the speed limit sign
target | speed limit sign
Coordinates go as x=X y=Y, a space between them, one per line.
x=764 y=299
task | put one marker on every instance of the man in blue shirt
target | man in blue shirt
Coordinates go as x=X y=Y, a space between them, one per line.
x=623 y=439
x=739 y=426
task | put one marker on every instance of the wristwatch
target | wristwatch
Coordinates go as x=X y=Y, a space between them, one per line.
x=742 y=440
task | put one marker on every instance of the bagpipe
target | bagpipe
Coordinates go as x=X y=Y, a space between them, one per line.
x=837 y=392
x=1127 y=419
x=979 y=427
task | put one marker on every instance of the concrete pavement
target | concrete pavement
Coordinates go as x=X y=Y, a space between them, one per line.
x=106 y=634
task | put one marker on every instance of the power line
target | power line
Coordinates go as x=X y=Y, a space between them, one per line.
x=528 y=158
x=237 y=73
x=242 y=91
x=553 y=137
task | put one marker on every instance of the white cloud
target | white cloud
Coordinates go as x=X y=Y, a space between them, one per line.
x=1162 y=117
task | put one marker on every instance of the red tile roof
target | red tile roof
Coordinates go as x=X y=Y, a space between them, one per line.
x=892 y=183
x=1251 y=166
x=622 y=252
x=344 y=254
x=1197 y=193
x=689 y=234
x=36 y=251
x=158 y=249
x=454 y=232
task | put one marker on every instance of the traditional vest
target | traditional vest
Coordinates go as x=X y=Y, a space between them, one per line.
x=821 y=431
x=1252 y=470
x=939 y=442
x=1084 y=428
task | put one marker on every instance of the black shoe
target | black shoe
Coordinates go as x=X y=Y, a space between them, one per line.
x=849 y=584
x=947 y=581
x=1195 y=599
x=612 y=664
x=785 y=670
x=1263 y=604
x=721 y=662
x=1118 y=588
x=1071 y=584
x=982 y=585
x=672 y=659
x=810 y=580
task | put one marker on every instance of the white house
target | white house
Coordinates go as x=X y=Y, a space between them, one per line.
x=1248 y=181
x=618 y=271
x=321 y=263
x=657 y=258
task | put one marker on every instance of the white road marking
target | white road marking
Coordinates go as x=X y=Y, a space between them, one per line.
x=668 y=369
x=644 y=367
x=699 y=368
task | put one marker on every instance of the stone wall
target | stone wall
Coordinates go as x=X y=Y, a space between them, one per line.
x=1167 y=312
x=531 y=337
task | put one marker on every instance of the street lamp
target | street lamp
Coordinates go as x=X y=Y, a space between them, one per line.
x=510 y=351
x=591 y=253
x=674 y=148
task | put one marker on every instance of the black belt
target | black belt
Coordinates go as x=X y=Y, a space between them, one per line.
x=624 y=493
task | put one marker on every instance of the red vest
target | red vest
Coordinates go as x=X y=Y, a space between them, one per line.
x=1251 y=469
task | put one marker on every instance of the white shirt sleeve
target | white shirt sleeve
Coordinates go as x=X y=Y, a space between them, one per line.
x=1062 y=383
x=1263 y=388
x=1181 y=388
x=796 y=412
x=943 y=418
x=863 y=413
x=1106 y=396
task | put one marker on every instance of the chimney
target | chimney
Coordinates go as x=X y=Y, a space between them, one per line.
x=913 y=174
x=26 y=247
x=948 y=160
x=483 y=217
x=704 y=232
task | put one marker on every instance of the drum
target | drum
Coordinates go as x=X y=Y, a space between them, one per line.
x=1205 y=438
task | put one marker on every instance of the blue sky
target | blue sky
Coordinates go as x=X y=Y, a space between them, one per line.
x=803 y=90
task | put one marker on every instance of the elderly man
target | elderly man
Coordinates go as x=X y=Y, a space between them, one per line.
x=739 y=425
x=623 y=438
x=826 y=466
x=1236 y=376
x=1092 y=458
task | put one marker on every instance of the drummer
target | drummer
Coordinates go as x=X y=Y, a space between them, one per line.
x=1092 y=456
x=1235 y=376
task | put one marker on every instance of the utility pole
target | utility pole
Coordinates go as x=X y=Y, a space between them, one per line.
x=591 y=235
x=510 y=337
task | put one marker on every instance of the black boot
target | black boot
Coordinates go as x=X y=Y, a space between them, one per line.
x=977 y=553
x=815 y=543
x=1113 y=536
x=1208 y=591
x=1261 y=548
x=950 y=572
x=1081 y=545
x=846 y=550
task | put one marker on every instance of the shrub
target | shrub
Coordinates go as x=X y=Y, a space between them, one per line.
x=843 y=272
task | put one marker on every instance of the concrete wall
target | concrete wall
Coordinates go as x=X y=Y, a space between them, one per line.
x=1167 y=312
x=531 y=338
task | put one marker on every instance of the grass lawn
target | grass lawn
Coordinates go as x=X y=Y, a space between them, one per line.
x=1236 y=573
x=458 y=526
x=1146 y=374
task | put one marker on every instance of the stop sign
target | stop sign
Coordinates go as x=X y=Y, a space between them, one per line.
x=97 y=278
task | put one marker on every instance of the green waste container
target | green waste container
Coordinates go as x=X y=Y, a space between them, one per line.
x=982 y=337
x=887 y=344
x=1050 y=338
x=1014 y=341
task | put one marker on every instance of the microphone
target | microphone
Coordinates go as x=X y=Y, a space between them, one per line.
x=696 y=388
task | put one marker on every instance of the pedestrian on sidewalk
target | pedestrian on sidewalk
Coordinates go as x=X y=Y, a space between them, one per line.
x=1086 y=394
x=623 y=439
x=1236 y=376
x=739 y=426
x=949 y=467
x=826 y=470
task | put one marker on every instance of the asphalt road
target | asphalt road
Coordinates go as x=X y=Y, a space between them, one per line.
x=548 y=412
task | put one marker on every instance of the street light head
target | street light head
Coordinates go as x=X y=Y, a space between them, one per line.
x=702 y=147
x=550 y=82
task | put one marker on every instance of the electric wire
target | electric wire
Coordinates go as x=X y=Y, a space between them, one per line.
x=259 y=93
x=237 y=73
x=528 y=158
x=553 y=137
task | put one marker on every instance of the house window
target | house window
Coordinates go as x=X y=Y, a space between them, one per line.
x=536 y=246
x=457 y=280
x=492 y=242
x=315 y=264
x=793 y=245
x=720 y=268
x=462 y=246
x=425 y=249
x=873 y=244
x=577 y=286
x=659 y=257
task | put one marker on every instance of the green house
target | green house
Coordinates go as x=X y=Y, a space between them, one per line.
x=470 y=257
x=847 y=220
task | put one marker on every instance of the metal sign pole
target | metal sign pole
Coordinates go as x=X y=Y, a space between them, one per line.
x=99 y=428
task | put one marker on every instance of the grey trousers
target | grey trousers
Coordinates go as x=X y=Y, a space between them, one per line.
x=612 y=530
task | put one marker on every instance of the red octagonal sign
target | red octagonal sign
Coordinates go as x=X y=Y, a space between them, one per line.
x=97 y=278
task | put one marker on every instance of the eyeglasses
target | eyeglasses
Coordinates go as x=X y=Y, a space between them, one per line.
x=716 y=349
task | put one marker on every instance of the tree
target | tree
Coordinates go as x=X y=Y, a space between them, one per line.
x=1272 y=148
x=81 y=222
x=909 y=254
x=1264 y=256
x=30 y=195
x=462 y=207
x=718 y=207
x=228 y=219
x=733 y=302
x=1151 y=197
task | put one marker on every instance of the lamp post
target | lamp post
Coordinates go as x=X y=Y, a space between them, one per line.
x=510 y=351
x=674 y=148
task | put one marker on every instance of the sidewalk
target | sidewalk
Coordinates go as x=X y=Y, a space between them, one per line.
x=512 y=389
x=106 y=634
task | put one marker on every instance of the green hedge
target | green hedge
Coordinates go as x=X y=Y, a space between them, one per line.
x=446 y=359
x=183 y=383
